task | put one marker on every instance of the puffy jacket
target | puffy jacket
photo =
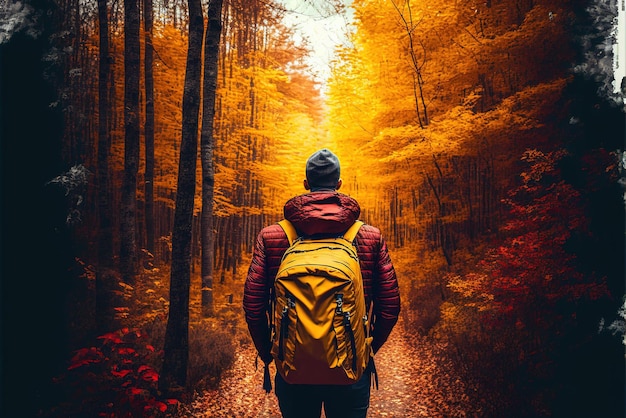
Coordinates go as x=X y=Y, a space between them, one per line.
x=322 y=212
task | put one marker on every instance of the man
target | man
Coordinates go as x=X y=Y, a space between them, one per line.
x=322 y=211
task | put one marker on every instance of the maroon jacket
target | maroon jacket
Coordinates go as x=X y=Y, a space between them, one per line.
x=323 y=212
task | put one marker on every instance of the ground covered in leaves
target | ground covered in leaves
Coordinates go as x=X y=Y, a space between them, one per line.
x=415 y=380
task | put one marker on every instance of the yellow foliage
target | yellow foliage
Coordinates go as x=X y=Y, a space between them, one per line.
x=471 y=288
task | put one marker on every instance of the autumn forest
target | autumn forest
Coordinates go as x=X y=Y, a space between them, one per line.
x=145 y=143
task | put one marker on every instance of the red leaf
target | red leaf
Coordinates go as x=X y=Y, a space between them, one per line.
x=112 y=337
x=150 y=376
x=143 y=368
x=80 y=363
x=135 y=391
x=81 y=352
x=91 y=352
x=161 y=406
x=150 y=348
x=151 y=403
x=85 y=356
x=122 y=373
x=126 y=350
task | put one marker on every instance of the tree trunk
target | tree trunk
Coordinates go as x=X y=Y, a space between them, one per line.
x=446 y=240
x=211 y=54
x=176 y=348
x=128 y=250
x=418 y=80
x=105 y=314
x=149 y=127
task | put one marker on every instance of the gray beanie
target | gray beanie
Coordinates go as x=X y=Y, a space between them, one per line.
x=322 y=170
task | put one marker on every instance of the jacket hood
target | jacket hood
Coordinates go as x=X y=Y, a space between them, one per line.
x=327 y=212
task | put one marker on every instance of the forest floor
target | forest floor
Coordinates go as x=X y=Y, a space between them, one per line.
x=416 y=379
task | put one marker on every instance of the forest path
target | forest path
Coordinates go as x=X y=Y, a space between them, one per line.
x=415 y=380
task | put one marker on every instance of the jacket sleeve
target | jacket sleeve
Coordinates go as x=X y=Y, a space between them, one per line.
x=256 y=298
x=386 y=297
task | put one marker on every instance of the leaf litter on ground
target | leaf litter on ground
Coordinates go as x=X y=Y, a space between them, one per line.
x=416 y=380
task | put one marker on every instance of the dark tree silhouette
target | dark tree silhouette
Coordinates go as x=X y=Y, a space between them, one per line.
x=149 y=126
x=176 y=356
x=128 y=219
x=207 y=145
x=104 y=312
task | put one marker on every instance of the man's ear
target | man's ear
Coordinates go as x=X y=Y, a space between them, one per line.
x=306 y=185
x=339 y=183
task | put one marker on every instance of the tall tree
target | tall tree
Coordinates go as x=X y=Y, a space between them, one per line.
x=207 y=145
x=176 y=356
x=128 y=234
x=149 y=126
x=418 y=78
x=105 y=234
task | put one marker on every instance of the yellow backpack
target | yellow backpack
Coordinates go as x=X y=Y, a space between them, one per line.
x=320 y=329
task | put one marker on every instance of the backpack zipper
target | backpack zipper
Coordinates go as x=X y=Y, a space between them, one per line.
x=284 y=326
x=347 y=325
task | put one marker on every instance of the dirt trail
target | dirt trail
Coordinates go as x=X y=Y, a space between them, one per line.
x=415 y=380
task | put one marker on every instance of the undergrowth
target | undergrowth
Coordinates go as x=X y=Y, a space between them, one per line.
x=116 y=374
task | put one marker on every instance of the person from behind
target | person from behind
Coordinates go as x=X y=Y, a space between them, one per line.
x=322 y=212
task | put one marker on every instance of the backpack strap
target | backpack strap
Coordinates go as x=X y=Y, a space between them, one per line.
x=289 y=229
x=292 y=235
x=350 y=234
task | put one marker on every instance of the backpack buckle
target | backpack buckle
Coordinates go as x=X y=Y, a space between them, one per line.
x=339 y=299
x=290 y=304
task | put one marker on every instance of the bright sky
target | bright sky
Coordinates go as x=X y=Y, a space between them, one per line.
x=324 y=28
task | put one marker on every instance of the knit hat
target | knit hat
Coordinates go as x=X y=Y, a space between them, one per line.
x=322 y=170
